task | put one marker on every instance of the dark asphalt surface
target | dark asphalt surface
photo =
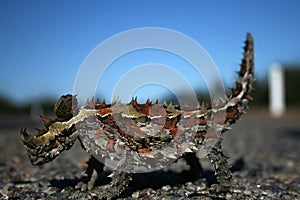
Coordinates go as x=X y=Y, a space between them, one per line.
x=265 y=159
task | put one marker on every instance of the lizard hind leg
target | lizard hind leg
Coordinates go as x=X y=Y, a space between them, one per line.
x=222 y=169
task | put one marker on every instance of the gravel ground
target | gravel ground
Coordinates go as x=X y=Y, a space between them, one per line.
x=265 y=159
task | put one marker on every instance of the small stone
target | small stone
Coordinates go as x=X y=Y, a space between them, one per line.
x=247 y=192
x=166 y=188
x=135 y=195
x=237 y=191
x=228 y=196
x=51 y=190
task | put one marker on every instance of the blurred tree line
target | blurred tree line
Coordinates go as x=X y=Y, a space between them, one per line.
x=292 y=80
x=46 y=105
x=292 y=91
x=260 y=95
x=9 y=107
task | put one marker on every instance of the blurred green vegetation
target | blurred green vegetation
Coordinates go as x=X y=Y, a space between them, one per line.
x=292 y=81
x=46 y=105
x=9 y=107
x=260 y=95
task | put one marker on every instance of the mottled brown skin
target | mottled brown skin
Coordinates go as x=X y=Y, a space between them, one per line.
x=119 y=123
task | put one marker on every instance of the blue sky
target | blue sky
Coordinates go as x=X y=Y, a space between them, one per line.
x=43 y=43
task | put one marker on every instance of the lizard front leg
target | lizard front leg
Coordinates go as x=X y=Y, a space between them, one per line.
x=196 y=169
x=119 y=180
x=93 y=171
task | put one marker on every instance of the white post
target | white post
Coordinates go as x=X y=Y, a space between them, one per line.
x=276 y=91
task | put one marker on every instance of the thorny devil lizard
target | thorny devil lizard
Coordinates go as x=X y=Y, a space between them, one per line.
x=129 y=131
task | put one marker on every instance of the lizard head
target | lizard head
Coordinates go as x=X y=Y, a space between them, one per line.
x=56 y=137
